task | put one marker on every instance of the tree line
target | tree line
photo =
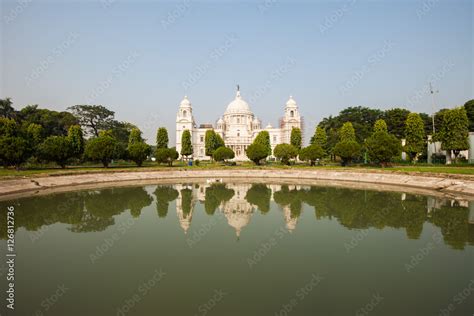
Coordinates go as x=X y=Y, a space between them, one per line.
x=91 y=133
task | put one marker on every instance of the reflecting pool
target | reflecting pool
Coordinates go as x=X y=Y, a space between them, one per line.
x=240 y=249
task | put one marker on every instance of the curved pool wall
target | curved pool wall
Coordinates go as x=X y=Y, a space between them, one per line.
x=416 y=183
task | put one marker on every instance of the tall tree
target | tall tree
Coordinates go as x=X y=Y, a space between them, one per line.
x=186 y=144
x=101 y=148
x=362 y=119
x=296 y=138
x=76 y=139
x=469 y=107
x=382 y=146
x=263 y=139
x=54 y=123
x=414 y=136
x=380 y=126
x=162 y=138
x=94 y=118
x=320 y=138
x=212 y=142
x=14 y=148
x=347 y=148
x=137 y=149
x=347 y=132
x=34 y=136
x=454 y=131
x=121 y=132
x=395 y=119
x=6 y=108
x=57 y=149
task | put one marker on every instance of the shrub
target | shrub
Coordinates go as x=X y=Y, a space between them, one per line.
x=382 y=147
x=166 y=155
x=285 y=152
x=138 y=152
x=223 y=154
x=13 y=151
x=256 y=153
x=101 y=148
x=56 y=148
x=311 y=153
x=348 y=150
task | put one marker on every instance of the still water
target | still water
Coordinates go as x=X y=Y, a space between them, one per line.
x=240 y=249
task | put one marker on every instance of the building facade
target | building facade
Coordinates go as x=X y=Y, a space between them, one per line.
x=238 y=127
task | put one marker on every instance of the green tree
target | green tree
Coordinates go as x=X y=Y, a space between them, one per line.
x=76 y=140
x=347 y=132
x=348 y=150
x=395 y=119
x=213 y=141
x=138 y=150
x=382 y=146
x=166 y=155
x=414 y=136
x=6 y=108
x=469 y=107
x=256 y=153
x=454 y=131
x=223 y=153
x=57 y=149
x=93 y=118
x=285 y=152
x=14 y=148
x=14 y=151
x=53 y=123
x=296 y=138
x=135 y=136
x=101 y=148
x=121 y=132
x=263 y=138
x=34 y=136
x=162 y=138
x=311 y=153
x=380 y=126
x=320 y=138
x=186 y=144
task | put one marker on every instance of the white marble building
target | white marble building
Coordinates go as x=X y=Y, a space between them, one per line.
x=238 y=127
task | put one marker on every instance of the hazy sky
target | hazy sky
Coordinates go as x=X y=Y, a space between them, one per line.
x=139 y=58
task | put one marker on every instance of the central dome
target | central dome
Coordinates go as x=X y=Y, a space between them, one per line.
x=238 y=106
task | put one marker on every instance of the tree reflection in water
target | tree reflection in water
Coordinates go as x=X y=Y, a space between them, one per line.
x=89 y=211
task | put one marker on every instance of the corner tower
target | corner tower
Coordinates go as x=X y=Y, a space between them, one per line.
x=291 y=119
x=184 y=121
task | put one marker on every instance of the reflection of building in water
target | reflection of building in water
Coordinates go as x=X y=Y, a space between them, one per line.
x=237 y=210
x=471 y=212
x=185 y=205
x=290 y=221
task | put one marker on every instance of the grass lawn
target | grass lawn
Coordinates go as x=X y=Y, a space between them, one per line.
x=150 y=166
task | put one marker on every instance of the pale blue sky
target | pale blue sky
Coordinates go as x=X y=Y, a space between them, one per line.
x=139 y=58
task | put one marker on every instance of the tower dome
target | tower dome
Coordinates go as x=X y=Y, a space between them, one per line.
x=238 y=106
x=185 y=102
x=291 y=102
